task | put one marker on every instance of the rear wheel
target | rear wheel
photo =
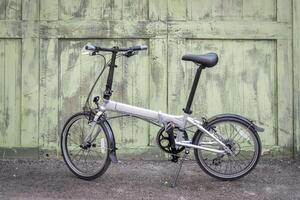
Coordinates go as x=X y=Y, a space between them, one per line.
x=240 y=138
x=87 y=160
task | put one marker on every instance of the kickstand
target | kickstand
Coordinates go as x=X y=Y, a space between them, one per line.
x=179 y=168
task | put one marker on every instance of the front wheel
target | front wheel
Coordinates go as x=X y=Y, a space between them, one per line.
x=240 y=137
x=86 y=159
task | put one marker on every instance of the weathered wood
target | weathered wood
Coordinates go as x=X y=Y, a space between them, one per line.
x=30 y=92
x=285 y=93
x=263 y=9
x=284 y=11
x=13 y=92
x=158 y=10
x=136 y=92
x=30 y=9
x=158 y=97
x=10 y=92
x=226 y=9
x=30 y=75
x=69 y=80
x=49 y=9
x=229 y=30
x=102 y=29
x=10 y=29
x=254 y=77
x=177 y=9
x=13 y=9
x=135 y=9
x=48 y=95
x=2 y=9
x=243 y=82
x=296 y=67
x=112 y=9
x=2 y=93
x=176 y=73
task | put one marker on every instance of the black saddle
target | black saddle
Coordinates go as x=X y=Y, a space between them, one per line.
x=207 y=60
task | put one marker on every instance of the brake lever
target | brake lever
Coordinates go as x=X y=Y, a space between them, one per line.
x=90 y=53
x=130 y=53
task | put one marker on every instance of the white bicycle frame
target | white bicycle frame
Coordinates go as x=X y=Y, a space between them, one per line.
x=180 y=121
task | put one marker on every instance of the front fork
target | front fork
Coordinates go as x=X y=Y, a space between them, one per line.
x=92 y=134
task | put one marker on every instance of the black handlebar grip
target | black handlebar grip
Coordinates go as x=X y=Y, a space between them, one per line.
x=139 y=47
x=90 y=47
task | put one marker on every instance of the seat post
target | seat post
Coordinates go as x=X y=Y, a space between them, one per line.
x=187 y=108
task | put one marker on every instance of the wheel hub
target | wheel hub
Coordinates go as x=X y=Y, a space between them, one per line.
x=87 y=145
x=234 y=147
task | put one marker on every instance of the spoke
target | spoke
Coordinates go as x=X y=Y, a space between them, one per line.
x=78 y=161
x=86 y=164
x=233 y=163
x=100 y=155
x=73 y=141
x=77 y=152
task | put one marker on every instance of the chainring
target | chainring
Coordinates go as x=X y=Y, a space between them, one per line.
x=163 y=140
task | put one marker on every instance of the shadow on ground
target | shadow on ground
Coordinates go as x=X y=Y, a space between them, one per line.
x=50 y=179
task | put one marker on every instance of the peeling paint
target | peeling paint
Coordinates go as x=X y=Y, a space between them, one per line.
x=252 y=38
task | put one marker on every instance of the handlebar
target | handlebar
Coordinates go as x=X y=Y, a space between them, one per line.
x=93 y=48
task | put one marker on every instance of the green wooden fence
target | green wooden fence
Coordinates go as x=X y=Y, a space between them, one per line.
x=44 y=77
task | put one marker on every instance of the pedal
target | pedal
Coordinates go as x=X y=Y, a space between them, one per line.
x=179 y=168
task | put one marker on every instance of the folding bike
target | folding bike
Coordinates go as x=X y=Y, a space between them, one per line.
x=226 y=146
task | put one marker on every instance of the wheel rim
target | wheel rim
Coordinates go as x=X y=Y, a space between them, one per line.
x=84 y=160
x=240 y=140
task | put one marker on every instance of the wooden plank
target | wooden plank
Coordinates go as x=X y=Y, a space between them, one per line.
x=30 y=9
x=136 y=92
x=112 y=9
x=12 y=92
x=10 y=29
x=13 y=9
x=260 y=9
x=30 y=92
x=259 y=86
x=2 y=9
x=284 y=11
x=158 y=10
x=176 y=75
x=102 y=29
x=72 y=9
x=95 y=9
x=136 y=9
x=229 y=30
x=89 y=9
x=285 y=94
x=49 y=9
x=2 y=93
x=177 y=9
x=48 y=100
x=158 y=80
x=69 y=80
x=30 y=74
x=203 y=9
x=296 y=67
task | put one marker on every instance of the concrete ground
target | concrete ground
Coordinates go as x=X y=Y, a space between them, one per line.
x=50 y=179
